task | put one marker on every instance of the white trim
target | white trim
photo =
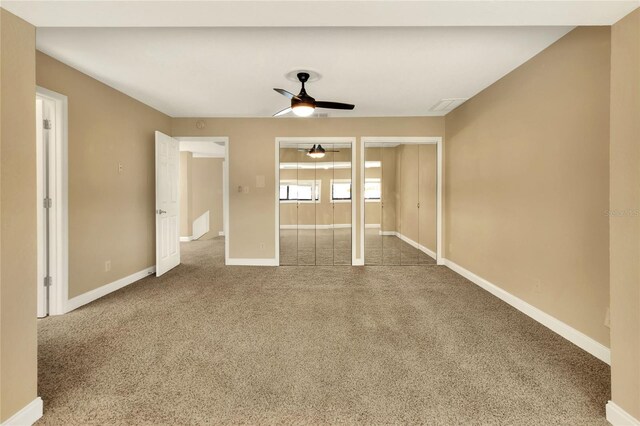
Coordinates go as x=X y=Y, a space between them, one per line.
x=439 y=188
x=618 y=417
x=186 y=239
x=371 y=225
x=252 y=262
x=220 y=233
x=351 y=141
x=225 y=201
x=330 y=226
x=571 y=334
x=99 y=292
x=28 y=415
x=59 y=267
x=225 y=184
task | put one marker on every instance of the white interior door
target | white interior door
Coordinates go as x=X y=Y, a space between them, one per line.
x=167 y=203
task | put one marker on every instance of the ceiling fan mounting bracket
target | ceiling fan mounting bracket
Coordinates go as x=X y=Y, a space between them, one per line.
x=303 y=77
x=293 y=75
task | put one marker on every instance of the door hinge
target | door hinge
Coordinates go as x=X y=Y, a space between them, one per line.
x=47 y=203
x=47 y=281
x=46 y=124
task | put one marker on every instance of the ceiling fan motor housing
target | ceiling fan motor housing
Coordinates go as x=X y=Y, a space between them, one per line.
x=303 y=99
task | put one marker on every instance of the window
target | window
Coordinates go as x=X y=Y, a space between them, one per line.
x=372 y=189
x=340 y=190
x=299 y=191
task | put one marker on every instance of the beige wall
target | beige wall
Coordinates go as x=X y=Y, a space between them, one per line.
x=186 y=195
x=111 y=214
x=526 y=182
x=624 y=220
x=416 y=183
x=206 y=187
x=248 y=136
x=428 y=185
x=18 y=339
x=409 y=176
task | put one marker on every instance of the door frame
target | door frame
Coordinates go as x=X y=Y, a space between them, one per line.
x=418 y=140
x=225 y=183
x=59 y=212
x=316 y=140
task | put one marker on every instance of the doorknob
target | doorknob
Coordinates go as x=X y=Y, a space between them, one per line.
x=160 y=211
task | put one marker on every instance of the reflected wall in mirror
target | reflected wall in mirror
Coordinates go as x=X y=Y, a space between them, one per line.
x=400 y=191
x=315 y=203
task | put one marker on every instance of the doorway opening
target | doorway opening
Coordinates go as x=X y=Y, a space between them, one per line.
x=401 y=206
x=52 y=202
x=204 y=198
x=315 y=209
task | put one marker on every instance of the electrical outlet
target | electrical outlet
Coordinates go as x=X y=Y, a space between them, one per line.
x=261 y=246
x=120 y=168
x=107 y=265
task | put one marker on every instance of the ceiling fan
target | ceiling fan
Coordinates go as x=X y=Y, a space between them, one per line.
x=317 y=151
x=302 y=104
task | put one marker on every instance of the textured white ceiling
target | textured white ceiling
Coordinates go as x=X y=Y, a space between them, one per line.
x=230 y=72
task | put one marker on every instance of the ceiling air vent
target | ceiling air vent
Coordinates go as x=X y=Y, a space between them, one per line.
x=447 y=104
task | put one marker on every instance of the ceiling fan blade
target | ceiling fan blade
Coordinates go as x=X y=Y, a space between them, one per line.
x=283 y=112
x=333 y=105
x=286 y=94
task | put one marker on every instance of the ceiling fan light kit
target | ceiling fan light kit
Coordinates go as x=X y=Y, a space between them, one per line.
x=304 y=105
x=316 y=151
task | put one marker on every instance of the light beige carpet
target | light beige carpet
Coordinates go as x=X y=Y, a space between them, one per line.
x=208 y=344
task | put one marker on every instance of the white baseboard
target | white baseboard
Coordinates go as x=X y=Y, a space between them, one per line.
x=92 y=295
x=27 y=416
x=412 y=243
x=251 y=262
x=220 y=233
x=571 y=334
x=333 y=226
x=186 y=239
x=419 y=246
x=618 y=417
x=372 y=225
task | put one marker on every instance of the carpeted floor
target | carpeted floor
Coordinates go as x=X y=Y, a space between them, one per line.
x=208 y=344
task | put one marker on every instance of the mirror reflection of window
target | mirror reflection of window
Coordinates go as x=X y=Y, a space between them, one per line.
x=340 y=191
x=302 y=191
x=372 y=189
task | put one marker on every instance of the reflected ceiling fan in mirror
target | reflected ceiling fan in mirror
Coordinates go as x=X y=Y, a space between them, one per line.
x=317 y=151
x=303 y=105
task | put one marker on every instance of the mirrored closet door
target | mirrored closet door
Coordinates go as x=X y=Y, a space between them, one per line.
x=400 y=192
x=315 y=203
